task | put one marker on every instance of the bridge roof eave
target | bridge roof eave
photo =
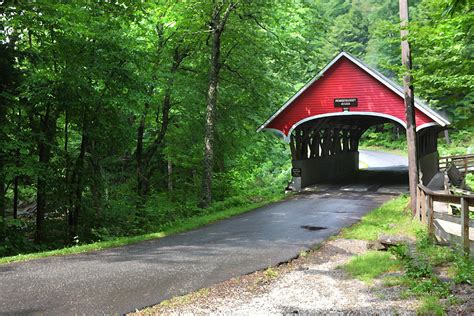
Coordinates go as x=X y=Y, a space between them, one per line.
x=419 y=104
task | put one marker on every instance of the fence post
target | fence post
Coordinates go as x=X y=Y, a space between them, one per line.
x=430 y=217
x=423 y=207
x=465 y=225
x=418 y=201
x=424 y=200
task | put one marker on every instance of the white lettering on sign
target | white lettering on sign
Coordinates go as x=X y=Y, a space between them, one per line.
x=343 y=102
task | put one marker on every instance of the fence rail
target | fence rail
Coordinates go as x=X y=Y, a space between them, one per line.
x=425 y=211
x=465 y=163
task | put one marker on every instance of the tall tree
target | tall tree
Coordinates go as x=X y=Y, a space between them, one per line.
x=220 y=15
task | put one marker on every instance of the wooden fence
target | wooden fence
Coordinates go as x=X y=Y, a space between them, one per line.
x=464 y=163
x=427 y=214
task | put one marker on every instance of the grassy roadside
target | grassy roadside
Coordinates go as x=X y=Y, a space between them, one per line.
x=390 y=218
x=175 y=228
x=416 y=268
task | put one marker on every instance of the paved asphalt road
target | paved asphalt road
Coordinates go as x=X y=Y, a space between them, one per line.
x=123 y=279
x=377 y=160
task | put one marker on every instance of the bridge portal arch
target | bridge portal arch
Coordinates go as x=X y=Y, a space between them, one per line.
x=323 y=121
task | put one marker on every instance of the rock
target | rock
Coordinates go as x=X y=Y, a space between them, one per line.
x=455 y=177
x=437 y=182
x=388 y=241
x=375 y=245
x=301 y=268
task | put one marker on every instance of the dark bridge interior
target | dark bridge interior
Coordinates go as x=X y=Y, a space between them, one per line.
x=327 y=151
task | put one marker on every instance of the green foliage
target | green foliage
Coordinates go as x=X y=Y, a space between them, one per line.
x=270 y=273
x=431 y=306
x=461 y=265
x=419 y=276
x=13 y=234
x=464 y=270
x=85 y=88
x=386 y=136
x=437 y=255
x=470 y=182
x=461 y=142
x=442 y=59
x=370 y=265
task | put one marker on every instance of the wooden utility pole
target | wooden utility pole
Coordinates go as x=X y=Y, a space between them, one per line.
x=409 y=105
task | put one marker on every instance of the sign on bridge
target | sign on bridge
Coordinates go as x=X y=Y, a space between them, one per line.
x=344 y=102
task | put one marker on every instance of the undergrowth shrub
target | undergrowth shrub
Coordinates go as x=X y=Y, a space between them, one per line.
x=13 y=238
x=419 y=275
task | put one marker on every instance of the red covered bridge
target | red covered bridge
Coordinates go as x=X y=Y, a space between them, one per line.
x=324 y=121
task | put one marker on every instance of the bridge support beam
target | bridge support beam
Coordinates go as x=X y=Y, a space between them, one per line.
x=324 y=153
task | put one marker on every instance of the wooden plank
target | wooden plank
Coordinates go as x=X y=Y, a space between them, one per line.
x=465 y=225
x=452 y=218
x=457 y=156
x=446 y=197
x=447 y=217
x=445 y=236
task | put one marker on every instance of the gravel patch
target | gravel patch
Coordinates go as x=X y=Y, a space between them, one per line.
x=309 y=285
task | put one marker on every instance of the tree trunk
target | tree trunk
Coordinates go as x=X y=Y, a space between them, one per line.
x=170 y=175
x=217 y=24
x=67 y=178
x=16 y=181
x=141 y=180
x=209 y=123
x=77 y=182
x=97 y=185
x=43 y=155
x=144 y=158
x=2 y=164
x=15 y=191
x=2 y=196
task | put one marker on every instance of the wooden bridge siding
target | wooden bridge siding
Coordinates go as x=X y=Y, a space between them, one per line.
x=344 y=80
x=427 y=152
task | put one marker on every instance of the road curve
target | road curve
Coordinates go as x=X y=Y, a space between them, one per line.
x=126 y=278
x=378 y=160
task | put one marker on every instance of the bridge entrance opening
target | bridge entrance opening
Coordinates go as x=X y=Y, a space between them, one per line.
x=324 y=121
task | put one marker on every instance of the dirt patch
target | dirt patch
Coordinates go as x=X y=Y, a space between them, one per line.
x=311 y=284
x=464 y=294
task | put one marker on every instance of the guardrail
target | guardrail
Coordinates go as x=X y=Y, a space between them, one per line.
x=464 y=163
x=427 y=214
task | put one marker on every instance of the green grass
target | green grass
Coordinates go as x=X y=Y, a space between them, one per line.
x=470 y=180
x=418 y=277
x=430 y=306
x=177 y=227
x=370 y=265
x=390 y=218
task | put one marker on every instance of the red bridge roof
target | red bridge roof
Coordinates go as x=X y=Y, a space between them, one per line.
x=347 y=77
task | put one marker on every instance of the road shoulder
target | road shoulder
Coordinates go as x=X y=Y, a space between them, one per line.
x=313 y=283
